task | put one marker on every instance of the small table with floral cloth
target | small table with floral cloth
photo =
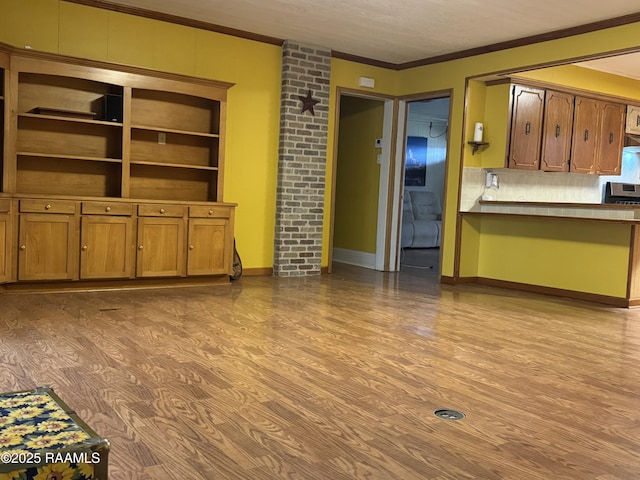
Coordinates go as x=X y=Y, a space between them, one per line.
x=42 y=439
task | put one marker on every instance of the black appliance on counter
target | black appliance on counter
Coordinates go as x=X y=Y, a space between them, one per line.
x=622 y=193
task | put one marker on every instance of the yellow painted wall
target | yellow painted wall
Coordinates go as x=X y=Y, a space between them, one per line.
x=496 y=118
x=253 y=102
x=475 y=95
x=585 y=256
x=358 y=174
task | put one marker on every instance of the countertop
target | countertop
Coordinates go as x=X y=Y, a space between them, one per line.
x=593 y=211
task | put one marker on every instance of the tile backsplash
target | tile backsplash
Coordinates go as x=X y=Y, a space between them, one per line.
x=537 y=186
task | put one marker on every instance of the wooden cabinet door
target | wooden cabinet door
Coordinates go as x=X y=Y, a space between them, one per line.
x=584 y=145
x=5 y=254
x=48 y=247
x=107 y=248
x=161 y=250
x=210 y=247
x=557 y=132
x=526 y=127
x=612 y=118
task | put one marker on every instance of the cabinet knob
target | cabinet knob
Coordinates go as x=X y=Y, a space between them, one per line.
x=84 y=247
x=47 y=206
x=210 y=212
x=23 y=247
x=162 y=210
x=191 y=247
x=140 y=247
x=107 y=209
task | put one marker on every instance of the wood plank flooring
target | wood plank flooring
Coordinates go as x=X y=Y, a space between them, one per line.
x=337 y=377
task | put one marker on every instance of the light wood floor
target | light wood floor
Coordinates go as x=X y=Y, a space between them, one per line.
x=337 y=377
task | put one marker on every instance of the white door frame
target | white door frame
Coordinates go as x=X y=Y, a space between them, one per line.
x=389 y=197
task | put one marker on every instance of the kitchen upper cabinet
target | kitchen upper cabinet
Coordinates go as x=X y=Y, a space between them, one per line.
x=526 y=127
x=612 y=119
x=585 y=134
x=557 y=132
x=598 y=135
x=566 y=131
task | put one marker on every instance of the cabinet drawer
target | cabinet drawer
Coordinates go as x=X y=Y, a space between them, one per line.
x=161 y=210
x=107 y=208
x=210 y=212
x=48 y=206
x=5 y=205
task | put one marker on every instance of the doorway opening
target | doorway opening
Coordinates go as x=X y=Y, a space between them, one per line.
x=423 y=184
x=357 y=178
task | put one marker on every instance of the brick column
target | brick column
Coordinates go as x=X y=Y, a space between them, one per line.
x=302 y=160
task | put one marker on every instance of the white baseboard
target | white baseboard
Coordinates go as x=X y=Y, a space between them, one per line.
x=353 y=257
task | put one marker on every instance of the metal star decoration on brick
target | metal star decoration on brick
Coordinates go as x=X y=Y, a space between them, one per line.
x=308 y=102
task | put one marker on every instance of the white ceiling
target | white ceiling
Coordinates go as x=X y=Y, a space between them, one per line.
x=395 y=31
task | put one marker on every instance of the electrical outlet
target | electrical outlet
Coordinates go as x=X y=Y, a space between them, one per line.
x=491 y=180
x=488 y=179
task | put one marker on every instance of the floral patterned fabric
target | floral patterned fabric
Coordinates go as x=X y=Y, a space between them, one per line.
x=39 y=440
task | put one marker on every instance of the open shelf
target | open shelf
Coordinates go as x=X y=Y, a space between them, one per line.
x=68 y=157
x=64 y=95
x=172 y=130
x=476 y=145
x=174 y=165
x=156 y=182
x=40 y=135
x=61 y=118
x=190 y=151
x=175 y=112
x=53 y=176
x=86 y=130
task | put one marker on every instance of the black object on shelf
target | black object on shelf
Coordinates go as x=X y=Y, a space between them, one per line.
x=112 y=108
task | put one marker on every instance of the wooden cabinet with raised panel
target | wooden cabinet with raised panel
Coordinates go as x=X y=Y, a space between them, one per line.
x=598 y=136
x=611 y=138
x=48 y=240
x=107 y=241
x=557 y=132
x=161 y=232
x=526 y=127
x=5 y=240
x=210 y=240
